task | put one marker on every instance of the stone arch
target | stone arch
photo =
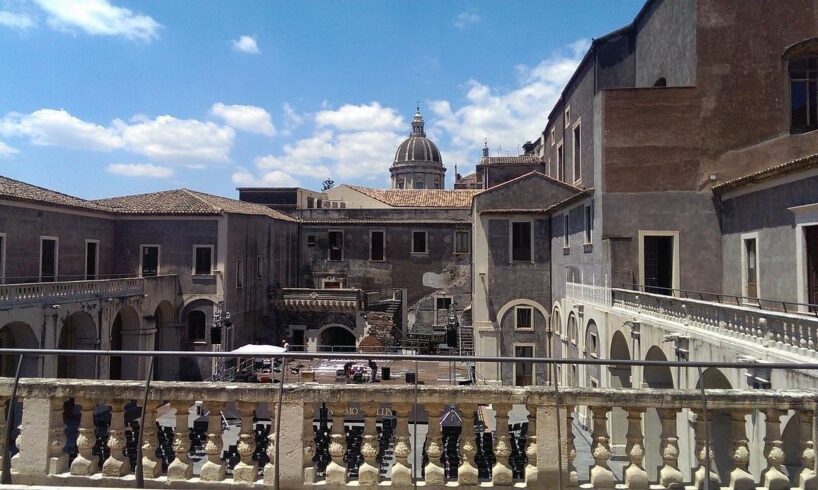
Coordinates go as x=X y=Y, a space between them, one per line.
x=556 y=328
x=521 y=302
x=657 y=376
x=125 y=336
x=720 y=423
x=336 y=336
x=571 y=349
x=620 y=376
x=18 y=335
x=196 y=319
x=78 y=332
x=654 y=377
x=166 y=337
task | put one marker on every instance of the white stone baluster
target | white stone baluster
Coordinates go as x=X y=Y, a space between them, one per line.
x=807 y=478
x=740 y=477
x=402 y=469
x=501 y=474
x=776 y=476
x=635 y=474
x=336 y=471
x=434 y=473
x=181 y=468
x=467 y=472
x=117 y=463
x=57 y=457
x=573 y=479
x=308 y=444
x=270 y=467
x=531 y=447
x=703 y=451
x=151 y=466
x=246 y=470
x=213 y=468
x=85 y=464
x=601 y=474
x=369 y=473
x=669 y=475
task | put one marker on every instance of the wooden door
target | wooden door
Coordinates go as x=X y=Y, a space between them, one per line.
x=811 y=234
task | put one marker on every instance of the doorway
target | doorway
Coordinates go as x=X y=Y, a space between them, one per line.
x=811 y=235
x=658 y=264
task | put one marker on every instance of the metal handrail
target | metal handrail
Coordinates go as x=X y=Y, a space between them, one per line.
x=811 y=309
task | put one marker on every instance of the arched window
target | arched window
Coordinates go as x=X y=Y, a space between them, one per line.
x=196 y=322
x=556 y=322
x=572 y=329
x=803 y=93
x=661 y=82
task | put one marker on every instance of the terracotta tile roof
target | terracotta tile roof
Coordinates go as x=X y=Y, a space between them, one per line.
x=531 y=174
x=384 y=221
x=803 y=163
x=515 y=211
x=15 y=190
x=509 y=160
x=420 y=198
x=186 y=202
x=565 y=202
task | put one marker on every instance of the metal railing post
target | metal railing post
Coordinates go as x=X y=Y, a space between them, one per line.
x=140 y=475
x=707 y=462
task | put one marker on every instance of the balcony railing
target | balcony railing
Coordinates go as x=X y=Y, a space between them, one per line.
x=318 y=299
x=15 y=295
x=586 y=293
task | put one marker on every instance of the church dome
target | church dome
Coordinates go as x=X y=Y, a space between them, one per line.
x=417 y=148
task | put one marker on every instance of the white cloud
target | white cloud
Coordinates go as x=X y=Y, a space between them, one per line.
x=364 y=117
x=275 y=178
x=292 y=119
x=245 y=117
x=304 y=157
x=465 y=19
x=246 y=44
x=6 y=151
x=100 y=18
x=16 y=20
x=365 y=154
x=139 y=170
x=56 y=127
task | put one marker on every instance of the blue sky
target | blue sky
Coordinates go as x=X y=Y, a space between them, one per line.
x=111 y=97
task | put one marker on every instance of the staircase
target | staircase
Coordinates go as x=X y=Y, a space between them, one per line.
x=466 y=340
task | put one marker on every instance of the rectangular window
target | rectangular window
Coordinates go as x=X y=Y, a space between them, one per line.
x=203 y=260
x=589 y=223
x=804 y=94
x=567 y=117
x=91 y=260
x=49 y=259
x=310 y=202
x=239 y=273
x=566 y=230
x=461 y=242
x=311 y=240
x=336 y=245
x=443 y=303
x=553 y=139
x=751 y=268
x=521 y=241
x=419 y=184
x=2 y=258
x=150 y=260
x=577 y=154
x=524 y=317
x=377 y=245
x=419 y=245
x=560 y=163
x=523 y=371
x=259 y=267
x=331 y=285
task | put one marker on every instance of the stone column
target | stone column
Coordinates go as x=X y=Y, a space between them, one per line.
x=116 y=464
x=601 y=474
x=402 y=469
x=57 y=458
x=669 y=474
x=181 y=468
x=434 y=473
x=246 y=470
x=501 y=474
x=85 y=464
x=214 y=469
x=336 y=471
x=807 y=478
x=530 y=476
x=270 y=467
x=467 y=472
x=702 y=450
x=635 y=474
x=151 y=466
x=369 y=473
x=308 y=444
x=776 y=477
x=740 y=477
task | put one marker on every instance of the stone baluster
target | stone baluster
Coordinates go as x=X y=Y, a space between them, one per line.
x=434 y=473
x=573 y=479
x=601 y=474
x=776 y=476
x=308 y=444
x=117 y=463
x=501 y=474
x=85 y=464
x=531 y=448
x=802 y=334
x=57 y=457
x=368 y=473
x=740 y=477
x=214 y=468
x=669 y=474
x=807 y=478
x=467 y=472
x=270 y=467
x=181 y=468
x=151 y=466
x=787 y=338
x=402 y=470
x=336 y=471
x=246 y=470
x=703 y=451
x=635 y=474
